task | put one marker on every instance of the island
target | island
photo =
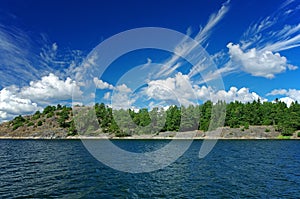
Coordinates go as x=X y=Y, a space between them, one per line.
x=255 y=120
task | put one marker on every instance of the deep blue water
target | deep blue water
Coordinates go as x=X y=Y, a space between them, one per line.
x=233 y=169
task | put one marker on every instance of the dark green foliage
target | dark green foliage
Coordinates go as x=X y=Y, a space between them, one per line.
x=207 y=116
x=246 y=125
x=286 y=120
x=298 y=134
x=58 y=107
x=30 y=124
x=49 y=109
x=173 y=116
x=18 y=122
x=63 y=117
x=37 y=115
x=40 y=123
x=72 y=129
x=51 y=114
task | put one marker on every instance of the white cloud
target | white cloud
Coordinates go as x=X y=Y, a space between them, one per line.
x=11 y=104
x=122 y=97
x=258 y=63
x=106 y=95
x=277 y=92
x=51 y=88
x=101 y=84
x=16 y=62
x=233 y=94
x=290 y=95
x=175 y=89
x=258 y=51
x=287 y=100
x=123 y=89
x=179 y=89
x=185 y=48
x=214 y=19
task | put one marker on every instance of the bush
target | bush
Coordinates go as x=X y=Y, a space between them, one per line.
x=36 y=116
x=49 y=109
x=287 y=132
x=267 y=130
x=30 y=124
x=18 y=121
x=121 y=134
x=51 y=114
x=17 y=125
x=40 y=123
x=246 y=125
x=298 y=134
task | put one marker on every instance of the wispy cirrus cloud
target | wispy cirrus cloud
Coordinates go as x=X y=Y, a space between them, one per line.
x=258 y=52
x=23 y=59
x=16 y=56
x=187 y=48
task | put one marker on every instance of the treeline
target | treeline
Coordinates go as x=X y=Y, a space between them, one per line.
x=207 y=116
x=201 y=117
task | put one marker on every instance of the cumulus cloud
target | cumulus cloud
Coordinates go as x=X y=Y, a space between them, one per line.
x=101 y=84
x=290 y=95
x=175 y=89
x=258 y=63
x=122 y=97
x=233 y=94
x=123 y=88
x=48 y=90
x=277 y=92
x=51 y=88
x=106 y=95
x=11 y=104
x=287 y=100
x=180 y=89
x=258 y=51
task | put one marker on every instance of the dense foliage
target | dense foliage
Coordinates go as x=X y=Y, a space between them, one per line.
x=104 y=119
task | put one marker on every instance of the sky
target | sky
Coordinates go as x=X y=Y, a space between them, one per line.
x=50 y=54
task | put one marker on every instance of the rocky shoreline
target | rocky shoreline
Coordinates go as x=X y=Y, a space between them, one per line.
x=225 y=133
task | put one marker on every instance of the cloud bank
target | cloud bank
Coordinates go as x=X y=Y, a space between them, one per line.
x=28 y=99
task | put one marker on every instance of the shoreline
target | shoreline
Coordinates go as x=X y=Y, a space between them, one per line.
x=224 y=133
x=145 y=138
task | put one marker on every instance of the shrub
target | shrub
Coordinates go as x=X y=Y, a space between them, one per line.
x=287 y=132
x=246 y=125
x=30 y=124
x=298 y=134
x=40 y=123
x=51 y=114
x=267 y=130
x=17 y=125
x=36 y=115
x=18 y=121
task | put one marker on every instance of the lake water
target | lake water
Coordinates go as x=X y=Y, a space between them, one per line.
x=233 y=169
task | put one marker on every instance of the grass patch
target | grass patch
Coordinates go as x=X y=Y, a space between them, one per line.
x=284 y=137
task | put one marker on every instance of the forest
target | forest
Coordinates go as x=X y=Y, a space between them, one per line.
x=207 y=116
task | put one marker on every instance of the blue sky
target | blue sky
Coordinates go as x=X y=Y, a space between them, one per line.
x=255 y=46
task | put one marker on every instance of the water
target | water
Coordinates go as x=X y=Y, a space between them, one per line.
x=234 y=169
